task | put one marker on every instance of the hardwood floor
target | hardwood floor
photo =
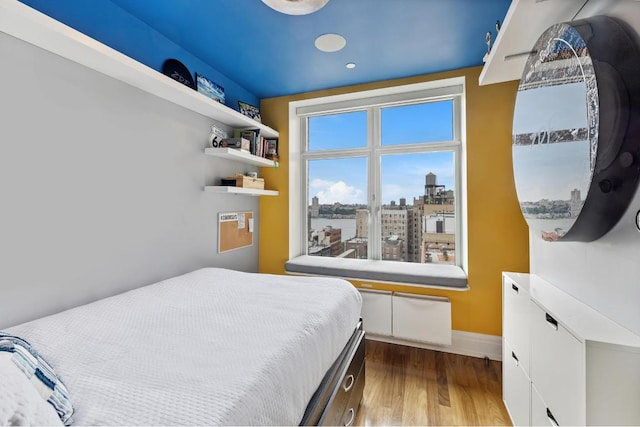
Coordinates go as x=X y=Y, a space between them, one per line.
x=413 y=386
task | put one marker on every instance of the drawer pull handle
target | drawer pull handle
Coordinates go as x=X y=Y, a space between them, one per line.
x=348 y=383
x=352 y=417
x=515 y=358
x=515 y=288
x=553 y=322
x=552 y=419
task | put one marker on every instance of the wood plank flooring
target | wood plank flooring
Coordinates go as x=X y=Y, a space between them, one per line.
x=414 y=386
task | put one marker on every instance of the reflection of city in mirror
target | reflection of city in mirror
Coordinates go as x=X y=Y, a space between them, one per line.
x=573 y=133
x=553 y=152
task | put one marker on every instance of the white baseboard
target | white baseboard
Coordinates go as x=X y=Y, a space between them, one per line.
x=464 y=343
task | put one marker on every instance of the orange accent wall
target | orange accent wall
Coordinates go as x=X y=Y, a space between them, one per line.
x=498 y=235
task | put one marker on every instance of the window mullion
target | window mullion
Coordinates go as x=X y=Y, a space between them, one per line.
x=375 y=200
x=304 y=181
x=333 y=154
x=457 y=119
x=418 y=148
x=458 y=185
x=458 y=200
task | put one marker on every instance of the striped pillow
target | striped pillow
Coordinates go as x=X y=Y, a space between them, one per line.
x=40 y=374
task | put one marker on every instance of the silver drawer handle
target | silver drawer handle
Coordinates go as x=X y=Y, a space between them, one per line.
x=552 y=419
x=553 y=322
x=348 y=383
x=351 y=417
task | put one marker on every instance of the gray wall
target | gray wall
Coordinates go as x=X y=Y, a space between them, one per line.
x=101 y=187
x=604 y=274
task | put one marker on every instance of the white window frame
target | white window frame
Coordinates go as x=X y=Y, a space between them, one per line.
x=371 y=101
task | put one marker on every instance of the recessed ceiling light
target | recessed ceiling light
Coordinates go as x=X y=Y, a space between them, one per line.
x=330 y=42
x=295 y=7
x=350 y=65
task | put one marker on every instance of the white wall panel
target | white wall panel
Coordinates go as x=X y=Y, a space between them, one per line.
x=101 y=187
x=376 y=312
x=422 y=318
x=604 y=274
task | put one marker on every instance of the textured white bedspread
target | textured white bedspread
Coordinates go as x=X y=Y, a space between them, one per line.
x=212 y=347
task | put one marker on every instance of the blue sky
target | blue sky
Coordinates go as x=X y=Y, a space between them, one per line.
x=344 y=180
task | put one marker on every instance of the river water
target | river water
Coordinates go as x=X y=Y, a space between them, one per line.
x=348 y=226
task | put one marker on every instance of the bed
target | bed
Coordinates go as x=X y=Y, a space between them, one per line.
x=211 y=347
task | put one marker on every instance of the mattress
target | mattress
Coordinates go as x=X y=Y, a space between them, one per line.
x=211 y=347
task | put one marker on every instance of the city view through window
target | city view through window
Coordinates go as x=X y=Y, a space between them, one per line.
x=415 y=218
x=421 y=231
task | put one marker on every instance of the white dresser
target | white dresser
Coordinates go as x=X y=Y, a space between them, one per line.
x=563 y=362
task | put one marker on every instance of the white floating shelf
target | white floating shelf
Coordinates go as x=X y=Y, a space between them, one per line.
x=239 y=190
x=524 y=22
x=240 y=156
x=25 y=23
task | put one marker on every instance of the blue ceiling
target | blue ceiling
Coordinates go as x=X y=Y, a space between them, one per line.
x=268 y=54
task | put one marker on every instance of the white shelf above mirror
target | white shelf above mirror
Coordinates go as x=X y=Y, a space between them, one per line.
x=524 y=22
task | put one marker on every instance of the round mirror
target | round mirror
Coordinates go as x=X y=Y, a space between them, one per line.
x=575 y=153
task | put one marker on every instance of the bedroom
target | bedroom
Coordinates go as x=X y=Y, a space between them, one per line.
x=114 y=165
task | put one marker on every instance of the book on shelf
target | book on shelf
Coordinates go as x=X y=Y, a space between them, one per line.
x=252 y=135
x=258 y=144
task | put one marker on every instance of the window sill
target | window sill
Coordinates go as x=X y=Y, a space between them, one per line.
x=438 y=276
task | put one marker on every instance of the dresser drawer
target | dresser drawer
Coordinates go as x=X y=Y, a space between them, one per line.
x=515 y=320
x=539 y=414
x=515 y=387
x=558 y=368
x=348 y=385
x=354 y=400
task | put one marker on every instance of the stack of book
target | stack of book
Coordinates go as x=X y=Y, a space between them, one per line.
x=258 y=145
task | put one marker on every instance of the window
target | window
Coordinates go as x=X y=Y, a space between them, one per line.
x=377 y=175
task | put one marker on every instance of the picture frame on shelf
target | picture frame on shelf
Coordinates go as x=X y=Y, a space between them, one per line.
x=209 y=88
x=271 y=150
x=249 y=111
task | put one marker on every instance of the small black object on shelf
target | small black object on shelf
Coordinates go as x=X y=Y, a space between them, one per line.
x=177 y=71
x=228 y=182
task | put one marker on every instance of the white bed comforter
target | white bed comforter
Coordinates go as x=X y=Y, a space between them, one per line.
x=212 y=347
